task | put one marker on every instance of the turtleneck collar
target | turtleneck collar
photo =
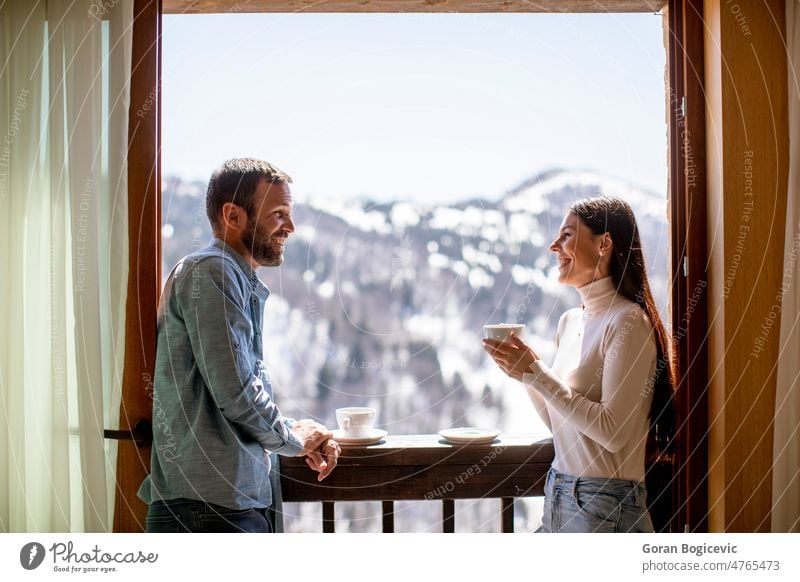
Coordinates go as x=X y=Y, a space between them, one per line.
x=598 y=295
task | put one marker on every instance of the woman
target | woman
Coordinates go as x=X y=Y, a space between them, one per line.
x=611 y=383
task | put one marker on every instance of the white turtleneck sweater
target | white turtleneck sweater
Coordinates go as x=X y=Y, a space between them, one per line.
x=596 y=397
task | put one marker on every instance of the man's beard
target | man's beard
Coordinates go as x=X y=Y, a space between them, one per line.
x=260 y=247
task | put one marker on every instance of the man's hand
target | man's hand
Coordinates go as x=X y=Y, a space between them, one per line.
x=329 y=450
x=319 y=448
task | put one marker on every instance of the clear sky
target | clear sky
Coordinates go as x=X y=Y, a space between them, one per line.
x=427 y=107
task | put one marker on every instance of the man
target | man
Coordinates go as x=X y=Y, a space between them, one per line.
x=214 y=418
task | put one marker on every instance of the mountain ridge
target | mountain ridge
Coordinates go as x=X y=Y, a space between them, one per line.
x=382 y=303
x=372 y=280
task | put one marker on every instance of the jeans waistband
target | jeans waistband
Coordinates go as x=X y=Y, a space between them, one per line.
x=201 y=506
x=564 y=478
x=621 y=487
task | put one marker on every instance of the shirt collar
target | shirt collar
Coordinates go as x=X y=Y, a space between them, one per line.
x=244 y=265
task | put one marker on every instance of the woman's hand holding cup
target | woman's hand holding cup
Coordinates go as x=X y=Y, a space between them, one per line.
x=512 y=354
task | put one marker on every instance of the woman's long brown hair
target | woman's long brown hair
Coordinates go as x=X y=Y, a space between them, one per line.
x=608 y=214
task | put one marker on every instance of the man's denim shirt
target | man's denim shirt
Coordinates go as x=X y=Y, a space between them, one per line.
x=214 y=417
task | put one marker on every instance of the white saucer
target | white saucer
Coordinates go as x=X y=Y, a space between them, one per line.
x=470 y=435
x=374 y=436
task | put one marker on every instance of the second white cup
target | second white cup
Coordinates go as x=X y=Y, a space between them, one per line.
x=500 y=331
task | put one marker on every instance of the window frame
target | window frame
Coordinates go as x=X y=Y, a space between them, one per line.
x=683 y=26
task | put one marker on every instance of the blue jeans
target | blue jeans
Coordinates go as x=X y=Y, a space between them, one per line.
x=189 y=515
x=591 y=504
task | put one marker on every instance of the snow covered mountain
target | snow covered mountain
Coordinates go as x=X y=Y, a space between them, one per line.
x=382 y=304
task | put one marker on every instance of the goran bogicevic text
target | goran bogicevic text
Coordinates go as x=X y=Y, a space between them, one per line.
x=696 y=549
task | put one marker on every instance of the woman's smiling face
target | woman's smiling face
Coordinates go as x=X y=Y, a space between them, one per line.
x=580 y=253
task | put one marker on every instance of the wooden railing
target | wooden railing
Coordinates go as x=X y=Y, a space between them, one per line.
x=425 y=467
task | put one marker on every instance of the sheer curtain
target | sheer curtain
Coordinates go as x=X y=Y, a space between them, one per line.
x=64 y=99
x=786 y=466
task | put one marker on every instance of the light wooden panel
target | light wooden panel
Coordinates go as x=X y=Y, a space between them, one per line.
x=747 y=156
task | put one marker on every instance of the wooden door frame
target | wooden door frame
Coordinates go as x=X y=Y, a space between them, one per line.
x=144 y=259
x=689 y=258
x=687 y=208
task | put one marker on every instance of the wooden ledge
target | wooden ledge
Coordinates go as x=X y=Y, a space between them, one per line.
x=425 y=467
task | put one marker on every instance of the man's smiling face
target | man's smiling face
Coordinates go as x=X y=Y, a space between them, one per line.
x=270 y=223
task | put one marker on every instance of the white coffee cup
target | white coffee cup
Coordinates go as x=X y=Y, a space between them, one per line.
x=355 y=421
x=500 y=331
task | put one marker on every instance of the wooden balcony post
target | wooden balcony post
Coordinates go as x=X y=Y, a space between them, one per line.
x=328 y=517
x=448 y=516
x=507 y=514
x=388 y=516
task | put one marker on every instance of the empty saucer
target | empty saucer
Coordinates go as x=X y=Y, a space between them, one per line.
x=470 y=435
x=373 y=436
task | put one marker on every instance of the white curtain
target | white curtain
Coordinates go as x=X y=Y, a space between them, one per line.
x=64 y=99
x=786 y=465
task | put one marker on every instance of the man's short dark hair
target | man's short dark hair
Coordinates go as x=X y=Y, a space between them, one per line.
x=236 y=181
